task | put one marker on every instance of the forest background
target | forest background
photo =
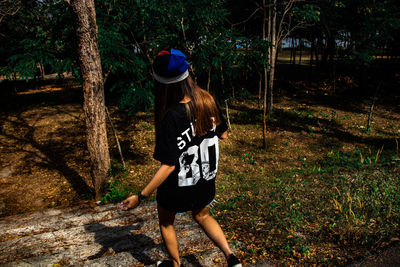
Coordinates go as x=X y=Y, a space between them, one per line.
x=310 y=172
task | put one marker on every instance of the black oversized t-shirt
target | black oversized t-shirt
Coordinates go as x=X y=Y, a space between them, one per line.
x=192 y=184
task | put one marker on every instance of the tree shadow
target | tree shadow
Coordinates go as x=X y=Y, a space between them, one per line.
x=61 y=149
x=14 y=95
x=303 y=121
x=51 y=154
x=132 y=154
x=343 y=89
x=326 y=127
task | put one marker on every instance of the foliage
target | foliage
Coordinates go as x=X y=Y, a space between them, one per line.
x=365 y=27
x=37 y=34
x=146 y=27
x=222 y=39
x=306 y=12
x=114 y=193
x=140 y=29
x=115 y=190
x=130 y=34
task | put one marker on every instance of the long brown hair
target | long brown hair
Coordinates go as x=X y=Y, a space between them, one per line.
x=201 y=110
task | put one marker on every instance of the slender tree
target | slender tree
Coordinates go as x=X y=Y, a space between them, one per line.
x=93 y=91
x=280 y=25
x=284 y=17
x=265 y=78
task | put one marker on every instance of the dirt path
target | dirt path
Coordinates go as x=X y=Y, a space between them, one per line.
x=106 y=236
x=100 y=236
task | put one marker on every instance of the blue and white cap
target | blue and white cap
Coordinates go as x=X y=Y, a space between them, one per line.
x=170 y=66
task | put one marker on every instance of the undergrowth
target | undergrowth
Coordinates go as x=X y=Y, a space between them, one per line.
x=115 y=190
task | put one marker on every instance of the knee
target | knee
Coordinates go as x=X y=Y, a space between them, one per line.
x=200 y=217
x=165 y=217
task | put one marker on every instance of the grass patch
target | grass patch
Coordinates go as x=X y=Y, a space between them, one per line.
x=329 y=211
x=116 y=191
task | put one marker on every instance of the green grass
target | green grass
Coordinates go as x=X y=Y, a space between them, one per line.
x=116 y=191
x=330 y=211
x=249 y=158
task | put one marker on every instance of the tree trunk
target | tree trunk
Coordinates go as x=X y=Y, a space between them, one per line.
x=93 y=92
x=291 y=54
x=259 y=88
x=294 y=51
x=312 y=53
x=329 y=51
x=265 y=79
x=371 y=109
x=272 y=57
x=317 y=51
x=300 y=44
x=209 y=79
x=42 y=73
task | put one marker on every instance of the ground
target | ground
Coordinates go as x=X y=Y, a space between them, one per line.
x=306 y=198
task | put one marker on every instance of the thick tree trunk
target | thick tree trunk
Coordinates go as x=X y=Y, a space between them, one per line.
x=93 y=92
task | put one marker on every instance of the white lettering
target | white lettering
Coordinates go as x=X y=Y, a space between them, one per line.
x=191 y=126
x=181 y=143
x=187 y=134
x=189 y=171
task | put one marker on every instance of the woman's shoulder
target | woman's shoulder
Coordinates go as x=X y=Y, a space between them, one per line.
x=176 y=111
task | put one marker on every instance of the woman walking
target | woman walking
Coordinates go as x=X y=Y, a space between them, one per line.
x=188 y=125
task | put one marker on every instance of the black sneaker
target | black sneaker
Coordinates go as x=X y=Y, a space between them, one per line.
x=165 y=263
x=233 y=261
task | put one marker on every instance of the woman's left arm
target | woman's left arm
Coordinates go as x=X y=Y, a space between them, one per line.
x=224 y=135
x=163 y=172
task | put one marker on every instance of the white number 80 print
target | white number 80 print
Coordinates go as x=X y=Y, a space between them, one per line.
x=189 y=173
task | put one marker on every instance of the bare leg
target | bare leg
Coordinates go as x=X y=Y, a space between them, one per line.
x=166 y=219
x=212 y=229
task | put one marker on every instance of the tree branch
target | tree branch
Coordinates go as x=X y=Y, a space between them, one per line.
x=249 y=18
x=288 y=7
x=183 y=30
x=10 y=10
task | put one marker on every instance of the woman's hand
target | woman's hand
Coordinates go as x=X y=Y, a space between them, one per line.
x=130 y=203
x=163 y=172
